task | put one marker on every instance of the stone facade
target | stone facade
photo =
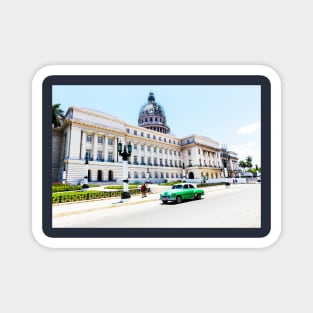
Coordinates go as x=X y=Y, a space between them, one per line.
x=155 y=155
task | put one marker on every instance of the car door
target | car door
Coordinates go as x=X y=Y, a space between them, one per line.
x=186 y=191
x=191 y=191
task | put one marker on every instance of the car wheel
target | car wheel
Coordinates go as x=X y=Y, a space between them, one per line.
x=164 y=201
x=178 y=199
x=198 y=196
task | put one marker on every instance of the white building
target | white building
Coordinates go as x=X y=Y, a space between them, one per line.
x=156 y=153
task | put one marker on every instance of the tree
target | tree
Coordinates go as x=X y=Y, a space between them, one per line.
x=249 y=162
x=57 y=114
x=242 y=164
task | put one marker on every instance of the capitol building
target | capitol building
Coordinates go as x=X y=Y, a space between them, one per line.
x=157 y=154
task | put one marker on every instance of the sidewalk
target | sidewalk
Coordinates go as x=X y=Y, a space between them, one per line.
x=65 y=209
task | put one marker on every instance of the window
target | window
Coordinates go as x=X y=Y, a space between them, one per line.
x=161 y=162
x=160 y=138
x=143 y=175
x=110 y=156
x=142 y=134
x=172 y=175
x=154 y=137
x=167 y=175
x=178 y=153
x=164 y=139
x=148 y=135
x=149 y=148
x=155 y=149
x=165 y=151
x=88 y=154
x=179 y=163
x=162 y=175
x=198 y=151
x=155 y=162
x=156 y=119
x=166 y=162
x=110 y=141
x=175 y=153
x=170 y=141
x=127 y=130
x=100 y=155
x=135 y=159
x=149 y=161
x=135 y=132
x=170 y=152
x=171 y=163
x=160 y=150
x=89 y=138
x=142 y=148
x=175 y=163
x=135 y=146
x=100 y=139
x=156 y=175
x=189 y=152
x=142 y=160
x=135 y=175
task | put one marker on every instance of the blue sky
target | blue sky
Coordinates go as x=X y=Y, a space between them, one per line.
x=230 y=115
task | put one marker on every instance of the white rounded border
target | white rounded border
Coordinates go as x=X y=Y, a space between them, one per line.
x=46 y=241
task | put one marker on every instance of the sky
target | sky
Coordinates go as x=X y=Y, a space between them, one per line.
x=231 y=115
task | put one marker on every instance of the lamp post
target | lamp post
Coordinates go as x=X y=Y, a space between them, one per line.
x=85 y=185
x=148 y=175
x=125 y=155
x=64 y=175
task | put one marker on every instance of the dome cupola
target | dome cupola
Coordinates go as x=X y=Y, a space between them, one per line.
x=152 y=116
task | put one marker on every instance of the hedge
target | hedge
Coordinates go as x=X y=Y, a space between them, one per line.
x=68 y=187
x=87 y=195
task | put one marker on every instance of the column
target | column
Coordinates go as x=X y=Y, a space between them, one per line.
x=139 y=153
x=83 y=146
x=146 y=154
x=105 y=148
x=95 y=146
x=67 y=145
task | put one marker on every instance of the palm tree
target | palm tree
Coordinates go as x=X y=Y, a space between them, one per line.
x=242 y=164
x=249 y=161
x=57 y=114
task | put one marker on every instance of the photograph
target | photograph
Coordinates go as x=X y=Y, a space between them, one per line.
x=156 y=156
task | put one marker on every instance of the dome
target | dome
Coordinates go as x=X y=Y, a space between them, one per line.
x=152 y=116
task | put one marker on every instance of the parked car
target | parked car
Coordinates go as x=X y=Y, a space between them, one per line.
x=181 y=192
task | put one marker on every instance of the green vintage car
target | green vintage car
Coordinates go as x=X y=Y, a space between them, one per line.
x=180 y=192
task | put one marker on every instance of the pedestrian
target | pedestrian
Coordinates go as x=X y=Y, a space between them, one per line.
x=143 y=190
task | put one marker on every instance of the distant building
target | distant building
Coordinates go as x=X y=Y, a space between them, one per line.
x=157 y=154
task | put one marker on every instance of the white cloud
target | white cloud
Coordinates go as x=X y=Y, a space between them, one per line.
x=249 y=129
x=250 y=148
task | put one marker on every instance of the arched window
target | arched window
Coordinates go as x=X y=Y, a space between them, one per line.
x=99 y=175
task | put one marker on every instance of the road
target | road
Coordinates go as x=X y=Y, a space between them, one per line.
x=239 y=206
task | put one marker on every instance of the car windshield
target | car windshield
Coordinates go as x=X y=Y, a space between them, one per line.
x=177 y=187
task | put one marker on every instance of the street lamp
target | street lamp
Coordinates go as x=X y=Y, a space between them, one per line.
x=125 y=154
x=64 y=175
x=184 y=172
x=148 y=174
x=85 y=185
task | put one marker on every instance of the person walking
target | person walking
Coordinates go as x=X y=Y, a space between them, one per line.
x=143 y=190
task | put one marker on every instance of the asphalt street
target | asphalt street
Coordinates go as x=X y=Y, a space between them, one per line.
x=239 y=206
